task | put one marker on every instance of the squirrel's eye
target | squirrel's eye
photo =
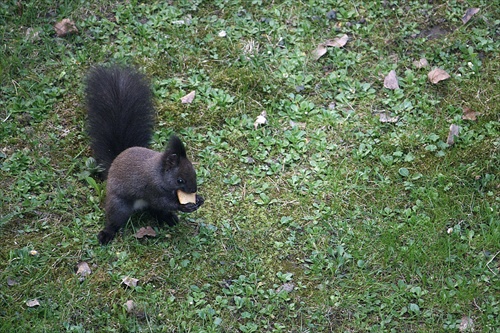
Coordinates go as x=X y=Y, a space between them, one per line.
x=180 y=181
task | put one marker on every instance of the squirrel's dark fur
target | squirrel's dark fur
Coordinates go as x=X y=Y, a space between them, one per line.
x=120 y=125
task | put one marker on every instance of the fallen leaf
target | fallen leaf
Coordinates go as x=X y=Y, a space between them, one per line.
x=319 y=51
x=188 y=98
x=337 y=42
x=132 y=309
x=469 y=13
x=469 y=114
x=438 y=74
x=129 y=281
x=32 y=303
x=454 y=129
x=466 y=324
x=261 y=119
x=288 y=287
x=323 y=47
x=65 y=27
x=129 y=305
x=384 y=118
x=11 y=281
x=83 y=269
x=421 y=63
x=391 y=80
x=143 y=232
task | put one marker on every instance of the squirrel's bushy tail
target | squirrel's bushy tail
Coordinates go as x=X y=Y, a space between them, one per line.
x=120 y=112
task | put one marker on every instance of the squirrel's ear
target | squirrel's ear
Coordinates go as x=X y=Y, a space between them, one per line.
x=173 y=154
x=176 y=147
x=170 y=161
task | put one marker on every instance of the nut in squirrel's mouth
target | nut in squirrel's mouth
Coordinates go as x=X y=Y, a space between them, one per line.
x=185 y=198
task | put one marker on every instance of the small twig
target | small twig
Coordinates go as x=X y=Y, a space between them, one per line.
x=489 y=261
x=15 y=84
x=477 y=306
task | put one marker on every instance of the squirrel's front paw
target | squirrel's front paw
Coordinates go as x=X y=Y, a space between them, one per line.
x=191 y=207
x=199 y=200
x=105 y=236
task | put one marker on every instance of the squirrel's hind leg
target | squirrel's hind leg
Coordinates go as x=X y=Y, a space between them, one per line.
x=117 y=214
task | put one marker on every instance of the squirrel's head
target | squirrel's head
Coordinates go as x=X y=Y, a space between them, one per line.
x=178 y=171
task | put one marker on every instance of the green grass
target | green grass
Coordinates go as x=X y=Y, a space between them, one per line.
x=378 y=227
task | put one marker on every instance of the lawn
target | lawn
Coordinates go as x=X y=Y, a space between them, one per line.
x=348 y=187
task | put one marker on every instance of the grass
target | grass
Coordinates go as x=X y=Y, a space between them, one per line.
x=324 y=219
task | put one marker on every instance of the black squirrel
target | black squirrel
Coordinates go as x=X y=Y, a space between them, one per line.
x=120 y=125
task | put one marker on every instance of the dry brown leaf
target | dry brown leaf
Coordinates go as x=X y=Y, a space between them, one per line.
x=469 y=114
x=422 y=63
x=454 y=130
x=129 y=281
x=337 y=42
x=143 y=232
x=132 y=309
x=469 y=13
x=384 y=118
x=11 y=282
x=65 y=27
x=319 y=51
x=438 y=74
x=83 y=269
x=188 y=99
x=466 y=324
x=288 y=287
x=391 y=80
x=32 y=303
x=323 y=47
x=129 y=306
x=261 y=119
